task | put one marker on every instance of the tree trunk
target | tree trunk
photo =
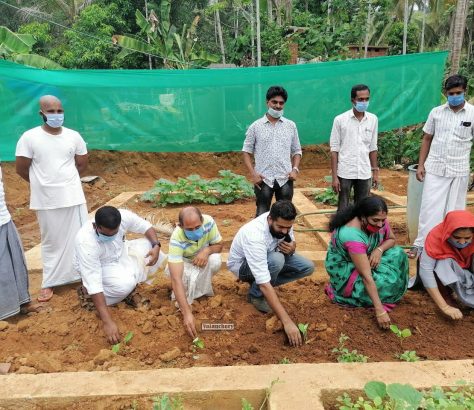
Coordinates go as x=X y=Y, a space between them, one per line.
x=259 y=48
x=219 y=33
x=405 y=27
x=367 y=30
x=423 y=25
x=458 y=34
x=252 y=33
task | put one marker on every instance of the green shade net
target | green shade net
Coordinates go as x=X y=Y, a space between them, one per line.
x=210 y=110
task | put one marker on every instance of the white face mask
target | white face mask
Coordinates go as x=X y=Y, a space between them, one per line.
x=275 y=113
x=54 y=120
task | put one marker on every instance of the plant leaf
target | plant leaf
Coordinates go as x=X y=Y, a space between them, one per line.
x=375 y=389
x=404 y=393
x=116 y=348
x=406 y=333
x=128 y=337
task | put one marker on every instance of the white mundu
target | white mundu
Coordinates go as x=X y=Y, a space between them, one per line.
x=56 y=194
x=114 y=268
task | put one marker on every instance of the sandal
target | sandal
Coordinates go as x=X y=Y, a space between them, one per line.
x=31 y=308
x=137 y=301
x=414 y=252
x=84 y=299
x=45 y=295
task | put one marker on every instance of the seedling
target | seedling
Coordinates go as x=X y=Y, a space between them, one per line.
x=344 y=355
x=126 y=340
x=199 y=343
x=401 y=334
x=408 y=356
x=165 y=403
x=246 y=404
x=285 y=360
x=303 y=327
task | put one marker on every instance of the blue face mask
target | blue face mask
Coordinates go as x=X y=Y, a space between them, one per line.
x=54 y=120
x=455 y=100
x=457 y=244
x=361 y=106
x=104 y=238
x=194 y=235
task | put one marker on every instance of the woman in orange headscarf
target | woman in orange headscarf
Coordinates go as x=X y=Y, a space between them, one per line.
x=448 y=257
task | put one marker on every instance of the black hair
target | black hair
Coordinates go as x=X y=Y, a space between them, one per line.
x=283 y=209
x=455 y=81
x=358 y=87
x=108 y=217
x=197 y=211
x=276 y=90
x=366 y=207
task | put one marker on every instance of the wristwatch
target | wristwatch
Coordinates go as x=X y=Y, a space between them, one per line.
x=153 y=244
x=296 y=169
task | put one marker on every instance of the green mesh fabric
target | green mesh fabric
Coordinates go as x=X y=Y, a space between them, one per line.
x=210 y=110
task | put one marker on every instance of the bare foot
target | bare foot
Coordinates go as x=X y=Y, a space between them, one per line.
x=45 y=295
x=31 y=307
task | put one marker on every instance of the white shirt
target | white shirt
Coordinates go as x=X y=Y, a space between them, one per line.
x=4 y=214
x=452 y=140
x=91 y=254
x=252 y=243
x=273 y=146
x=354 y=140
x=54 y=180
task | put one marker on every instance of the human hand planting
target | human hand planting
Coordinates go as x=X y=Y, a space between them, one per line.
x=293 y=333
x=190 y=325
x=112 y=332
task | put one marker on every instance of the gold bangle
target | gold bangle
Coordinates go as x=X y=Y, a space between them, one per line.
x=381 y=314
x=379 y=249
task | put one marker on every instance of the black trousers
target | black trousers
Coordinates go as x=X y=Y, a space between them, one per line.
x=361 y=191
x=264 y=195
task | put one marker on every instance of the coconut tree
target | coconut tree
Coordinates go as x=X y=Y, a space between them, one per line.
x=459 y=25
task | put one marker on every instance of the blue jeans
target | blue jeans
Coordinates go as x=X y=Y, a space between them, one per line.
x=283 y=269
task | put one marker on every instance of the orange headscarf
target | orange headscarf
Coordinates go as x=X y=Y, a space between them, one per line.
x=437 y=245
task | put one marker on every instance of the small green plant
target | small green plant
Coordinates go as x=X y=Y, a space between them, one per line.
x=246 y=404
x=303 y=328
x=126 y=340
x=225 y=189
x=328 y=197
x=401 y=334
x=164 y=402
x=285 y=360
x=344 y=355
x=408 y=356
x=199 y=343
x=380 y=396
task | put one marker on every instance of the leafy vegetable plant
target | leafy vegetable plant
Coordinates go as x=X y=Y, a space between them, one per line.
x=225 y=189
x=164 y=402
x=344 y=355
x=328 y=196
x=401 y=334
x=303 y=328
x=126 y=340
x=199 y=343
x=408 y=356
x=285 y=360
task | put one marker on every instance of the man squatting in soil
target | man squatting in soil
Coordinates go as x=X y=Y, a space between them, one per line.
x=193 y=259
x=110 y=266
x=263 y=254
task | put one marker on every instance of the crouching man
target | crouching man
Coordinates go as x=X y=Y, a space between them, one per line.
x=193 y=258
x=111 y=267
x=263 y=254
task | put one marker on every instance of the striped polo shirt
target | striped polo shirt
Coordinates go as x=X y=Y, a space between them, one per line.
x=182 y=247
x=452 y=140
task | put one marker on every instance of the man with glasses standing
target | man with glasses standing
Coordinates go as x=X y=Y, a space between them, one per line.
x=443 y=163
x=273 y=141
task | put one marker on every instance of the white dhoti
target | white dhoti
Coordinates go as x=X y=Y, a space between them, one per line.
x=58 y=229
x=440 y=195
x=198 y=281
x=120 y=278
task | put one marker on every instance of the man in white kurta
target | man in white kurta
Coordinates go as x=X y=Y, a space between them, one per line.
x=444 y=159
x=111 y=267
x=51 y=157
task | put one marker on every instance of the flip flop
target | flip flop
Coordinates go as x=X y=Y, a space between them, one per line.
x=414 y=252
x=137 y=301
x=31 y=308
x=85 y=300
x=45 y=295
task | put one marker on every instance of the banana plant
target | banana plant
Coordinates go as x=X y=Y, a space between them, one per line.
x=17 y=47
x=176 y=50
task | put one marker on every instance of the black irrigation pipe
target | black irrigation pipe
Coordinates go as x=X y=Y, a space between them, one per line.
x=333 y=211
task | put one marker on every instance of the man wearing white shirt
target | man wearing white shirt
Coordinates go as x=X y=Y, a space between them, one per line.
x=353 y=145
x=111 y=267
x=443 y=162
x=51 y=157
x=263 y=254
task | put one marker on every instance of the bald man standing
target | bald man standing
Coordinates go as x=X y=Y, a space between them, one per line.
x=51 y=157
x=194 y=257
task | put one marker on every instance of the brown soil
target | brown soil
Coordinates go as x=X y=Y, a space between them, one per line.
x=66 y=338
